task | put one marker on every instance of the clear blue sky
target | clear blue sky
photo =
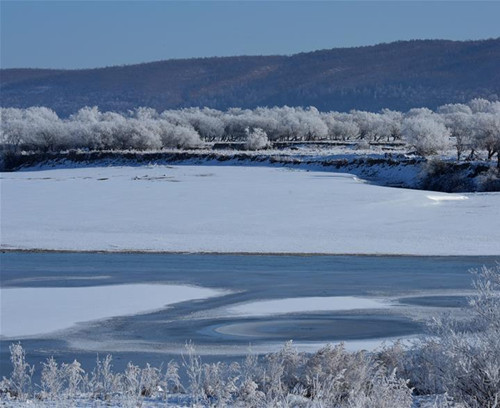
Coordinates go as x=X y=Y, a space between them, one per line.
x=73 y=34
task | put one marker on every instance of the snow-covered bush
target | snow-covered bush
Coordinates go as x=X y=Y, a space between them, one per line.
x=331 y=377
x=220 y=382
x=362 y=145
x=194 y=371
x=489 y=181
x=103 y=383
x=173 y=379
x=18 y=385
x=52 y=381
x=468 y=354
x=75 y=379
x=256 y=139
x=439 y=175
x=460 y=357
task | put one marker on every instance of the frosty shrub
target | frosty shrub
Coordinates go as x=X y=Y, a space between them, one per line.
x=19 y=384
x=194 y=371
x=137 y=383
x=362 y=145
x=173 y=379
x=74 y=379
x=220 y=382
x=437 y=174
x=330 y=377
x=489 y=181
x=52 y=382
x=460 y=357
x=256 y=139
x=103 y=382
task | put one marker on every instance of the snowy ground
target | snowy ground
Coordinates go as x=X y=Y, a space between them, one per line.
x=239 y=209
x=35 y=311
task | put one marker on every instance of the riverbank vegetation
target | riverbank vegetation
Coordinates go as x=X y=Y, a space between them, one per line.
x=472 y=130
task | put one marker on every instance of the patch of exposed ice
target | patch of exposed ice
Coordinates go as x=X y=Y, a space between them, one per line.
x=305 y=304
x=34 y=311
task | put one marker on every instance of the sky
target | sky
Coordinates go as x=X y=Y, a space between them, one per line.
x=88 y=34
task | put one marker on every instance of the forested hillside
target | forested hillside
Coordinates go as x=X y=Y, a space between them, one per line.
x=400 y=76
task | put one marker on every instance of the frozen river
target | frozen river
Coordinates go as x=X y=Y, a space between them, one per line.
x=144 y=307
x=238 y=209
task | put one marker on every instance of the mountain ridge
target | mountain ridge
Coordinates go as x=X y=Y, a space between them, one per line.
x=398 y=75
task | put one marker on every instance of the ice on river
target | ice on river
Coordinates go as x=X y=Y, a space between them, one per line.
x=35 y=311
x=305 y=304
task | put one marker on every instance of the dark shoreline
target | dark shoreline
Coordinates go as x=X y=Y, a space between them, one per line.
x=388 y=170
x=221 y=253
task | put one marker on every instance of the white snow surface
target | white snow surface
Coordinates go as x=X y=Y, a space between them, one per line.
x=238 y=209
x=34 y=311
x=447 y=197
x=305 y=304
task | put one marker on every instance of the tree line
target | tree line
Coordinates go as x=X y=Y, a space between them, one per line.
x=469 y=129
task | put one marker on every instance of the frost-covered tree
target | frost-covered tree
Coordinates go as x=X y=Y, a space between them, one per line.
x=206 y=122
x=426 y=133
x=33 y=128
x=392 y=122
x=372 y=126
x=487 y=131
x=419 y=112
x=479 y=105
x=454 y=108
x=311 y=125
x=462 y=128
x=343 y=127
x=472 y=127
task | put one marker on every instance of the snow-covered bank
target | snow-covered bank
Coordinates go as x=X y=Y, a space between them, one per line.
x=383 y=165
x=238 y=209
x=35 y=311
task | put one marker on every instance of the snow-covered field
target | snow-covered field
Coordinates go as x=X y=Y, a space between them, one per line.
x=35 y=311
x=239 y=209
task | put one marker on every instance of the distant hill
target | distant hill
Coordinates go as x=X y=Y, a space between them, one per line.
x=398 y=75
